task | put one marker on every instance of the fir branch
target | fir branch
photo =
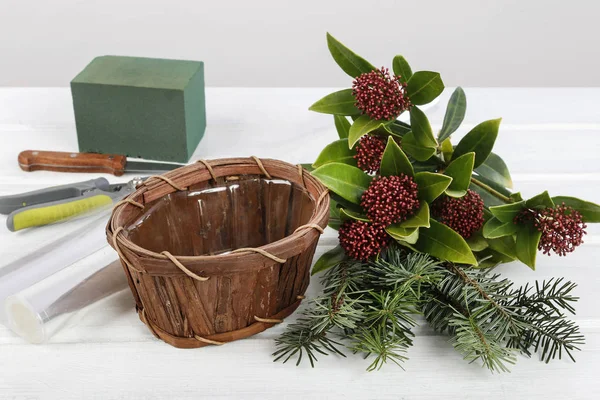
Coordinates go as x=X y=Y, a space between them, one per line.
x=300 y=338
x=396 y=269
x=550 y=333
x=386 y=346
x=475 y=341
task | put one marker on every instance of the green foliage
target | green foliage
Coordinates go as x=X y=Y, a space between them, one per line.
x=337 y=151
x=431 y=185
x=442 y=242
x=527 y=241
x=421 y=128
x=455 y=113
x=345 y=180
x=394 y=162
x=401 y=68
x=349 y=62
x=438 y=167
x=460 y=170
x=495 y=169
x=480 y=140
x=541 y=200
x=361 y=127
x=329 y=259
x=589 y=211
x=415 y=149
x=338 y=103
x=424 y=86
x=495 y=228
x=342 y=125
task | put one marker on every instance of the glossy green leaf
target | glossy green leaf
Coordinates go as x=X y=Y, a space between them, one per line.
x=416 y=150
x=477 y=242
x=424 y=86
x=516 y=197
x=442 y=242
x=353 y=215
x=345 y=180
x=412 y=238
x=495 y=228
x=447 y=150
x=493 y=185
x=419 y=219
x=494 y=169
x=361 y=127
x=329 y=259
x=431 y=185
x=337 y=151
x=334 y=215
x=401 y=68
x=421 y=128
x=398 y=128
x=339 y=103
x=345 y=204
x=394 y=162
x=406 y=235
x=588 y=210
x=342 y=125
x=506 y=246
x=541 y=200
x=455 y=113
x=527 y=242
x=460 y=170
x=349 y=62
x=490 y=258
x=507 y=212
x=488 y=199
x=479 y=140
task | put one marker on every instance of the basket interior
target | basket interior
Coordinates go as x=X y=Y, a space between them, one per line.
x=244 y=211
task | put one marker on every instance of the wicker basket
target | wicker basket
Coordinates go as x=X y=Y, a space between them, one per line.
x=217 y=251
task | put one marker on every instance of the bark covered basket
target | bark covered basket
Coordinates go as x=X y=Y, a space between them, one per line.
x=219 y=250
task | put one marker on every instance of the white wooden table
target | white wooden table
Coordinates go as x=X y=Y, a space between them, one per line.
x=550 y=139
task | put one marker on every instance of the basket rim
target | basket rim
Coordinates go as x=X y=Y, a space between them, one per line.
x=197 y=173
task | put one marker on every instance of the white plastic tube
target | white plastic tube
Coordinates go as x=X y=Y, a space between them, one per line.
x=51 y=258
x=38 y=312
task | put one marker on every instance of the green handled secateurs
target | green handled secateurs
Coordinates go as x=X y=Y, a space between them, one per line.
x=59 y=203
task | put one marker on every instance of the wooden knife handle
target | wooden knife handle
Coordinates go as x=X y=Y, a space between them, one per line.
x=32 y=160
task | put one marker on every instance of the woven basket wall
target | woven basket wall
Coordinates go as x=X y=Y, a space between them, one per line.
x=207 y=268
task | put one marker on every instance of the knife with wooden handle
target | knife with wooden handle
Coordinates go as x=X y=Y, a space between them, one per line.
x=34 y=160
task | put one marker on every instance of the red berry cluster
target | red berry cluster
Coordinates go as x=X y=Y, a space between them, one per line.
x=380 y=95
x=369 y=151
x=562 y=228
x=362 y=240
x=464 y=214
x=390 y=199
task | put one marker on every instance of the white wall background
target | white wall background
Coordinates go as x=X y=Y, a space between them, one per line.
x=282 y=43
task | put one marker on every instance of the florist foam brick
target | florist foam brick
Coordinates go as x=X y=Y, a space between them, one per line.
x=140 y=107
x=219 y=250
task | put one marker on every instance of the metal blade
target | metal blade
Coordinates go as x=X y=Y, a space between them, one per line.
x=135 y=166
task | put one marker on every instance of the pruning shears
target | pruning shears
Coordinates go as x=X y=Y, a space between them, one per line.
x=61 y=203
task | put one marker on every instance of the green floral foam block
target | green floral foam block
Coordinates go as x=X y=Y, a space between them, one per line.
x=140 y=107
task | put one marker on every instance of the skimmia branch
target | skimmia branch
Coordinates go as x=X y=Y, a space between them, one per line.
x=396 y=181
x=421 y=221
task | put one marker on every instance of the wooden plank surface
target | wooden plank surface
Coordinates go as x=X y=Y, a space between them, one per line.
x=550 y=139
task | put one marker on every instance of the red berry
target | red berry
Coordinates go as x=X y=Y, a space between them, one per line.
x=464 y=214
x=369 y=151
x=362 y=240
x=380 y=95
x=562 y=228
x=390 y=199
